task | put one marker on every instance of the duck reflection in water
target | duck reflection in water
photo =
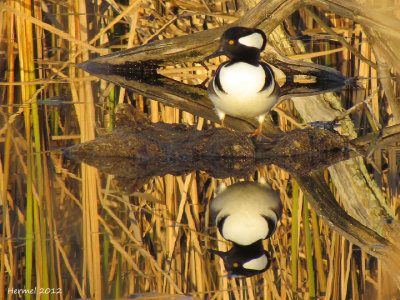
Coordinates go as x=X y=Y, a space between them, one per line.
x=246 y=213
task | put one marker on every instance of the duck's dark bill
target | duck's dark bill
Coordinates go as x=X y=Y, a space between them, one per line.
x=215 y=54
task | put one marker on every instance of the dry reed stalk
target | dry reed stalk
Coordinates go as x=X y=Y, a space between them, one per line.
x=348 y=264
x=174 y=226
x=309 y=257
x=330 y=268
x=49 y=219
x=69 y=267
x=85 y=115
x=295 y=234
x=196 y=251
x=318 y=253
x=232 y=285
x=120 y=249
x=317 y=54
x=133 y=9
x=52 y=29
x=343 y=283
x=273 y=291
x=47 y=81
x=157 y=232
x=223 y=281
x=354 y=281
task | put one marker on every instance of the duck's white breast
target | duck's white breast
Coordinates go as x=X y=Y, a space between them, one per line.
x=242 y=83
x=242 y=79
x=244 y=229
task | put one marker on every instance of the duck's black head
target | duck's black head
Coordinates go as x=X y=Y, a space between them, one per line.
x=245 y=261
x=241 y=44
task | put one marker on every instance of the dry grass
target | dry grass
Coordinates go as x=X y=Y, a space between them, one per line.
x=69 y=228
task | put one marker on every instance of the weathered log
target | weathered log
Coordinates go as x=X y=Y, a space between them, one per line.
x=137 y=138
x=143 y=140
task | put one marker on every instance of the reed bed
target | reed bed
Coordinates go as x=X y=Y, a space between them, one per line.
x=71 y=231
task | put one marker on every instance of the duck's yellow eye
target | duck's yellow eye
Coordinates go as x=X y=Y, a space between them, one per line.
x=231 y=42
x=235 y=265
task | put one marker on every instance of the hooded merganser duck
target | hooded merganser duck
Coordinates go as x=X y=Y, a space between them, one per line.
x=245 y=260
x=243 y=86
x=246 y=212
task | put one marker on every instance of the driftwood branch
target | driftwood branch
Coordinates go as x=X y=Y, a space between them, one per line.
x=320 y=197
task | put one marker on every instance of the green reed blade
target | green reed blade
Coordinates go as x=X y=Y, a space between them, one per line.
x=295 y=223
x=29 y=228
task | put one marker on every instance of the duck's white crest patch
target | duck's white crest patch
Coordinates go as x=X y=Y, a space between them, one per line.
x=259 y=263
x=255 y=40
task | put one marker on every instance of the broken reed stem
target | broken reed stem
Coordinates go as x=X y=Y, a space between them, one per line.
x=372 y=118
x=69 y=267
x=355 y=107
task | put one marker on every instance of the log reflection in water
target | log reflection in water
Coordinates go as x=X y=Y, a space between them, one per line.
x=138 y=150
